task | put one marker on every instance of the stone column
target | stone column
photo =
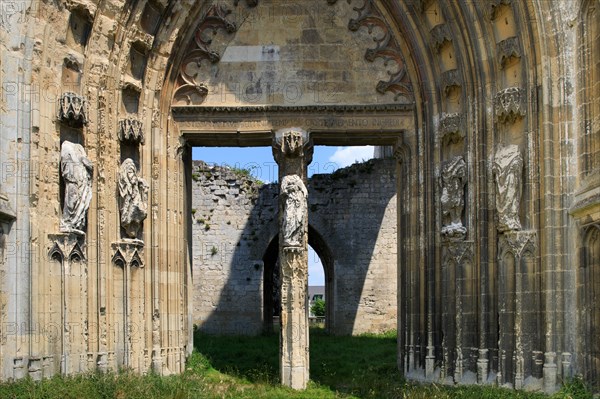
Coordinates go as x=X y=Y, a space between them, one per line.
x=292 y=150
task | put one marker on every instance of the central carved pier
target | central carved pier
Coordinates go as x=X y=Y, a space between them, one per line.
x=292 y=149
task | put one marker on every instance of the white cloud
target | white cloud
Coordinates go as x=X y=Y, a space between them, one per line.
x=345 y=156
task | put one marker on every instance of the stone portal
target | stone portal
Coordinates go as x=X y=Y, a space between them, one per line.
x=292 y=150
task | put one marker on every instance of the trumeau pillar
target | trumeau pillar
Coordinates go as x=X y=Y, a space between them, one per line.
x=292 y=150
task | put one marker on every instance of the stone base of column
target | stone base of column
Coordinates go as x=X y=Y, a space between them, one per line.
x=294 y=319
x=550 y=372
x=482 y=366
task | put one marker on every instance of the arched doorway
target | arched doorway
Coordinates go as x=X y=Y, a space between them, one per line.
x=270 y=301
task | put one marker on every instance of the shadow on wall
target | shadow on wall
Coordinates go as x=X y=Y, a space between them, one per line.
x=352 y=218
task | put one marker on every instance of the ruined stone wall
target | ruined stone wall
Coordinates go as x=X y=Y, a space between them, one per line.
x=353 y=212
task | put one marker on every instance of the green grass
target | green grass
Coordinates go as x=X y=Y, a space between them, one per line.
x=247 y=367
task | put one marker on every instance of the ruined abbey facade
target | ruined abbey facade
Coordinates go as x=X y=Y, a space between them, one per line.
x=490 y=109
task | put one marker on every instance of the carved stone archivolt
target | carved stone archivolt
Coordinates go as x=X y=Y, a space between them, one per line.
x=131 y=131
x=73 y=109
x=453 y=181
x=510 y=105
x=76 y=170
x=386 y=48
x=133 y=198
x=507 y=49
x=450 y=130
x=508 y=172
x=295 y=211
x=128 y=253
x=292 y=148
x=191 y=89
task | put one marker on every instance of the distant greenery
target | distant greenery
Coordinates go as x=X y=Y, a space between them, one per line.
x=318 y=308
x=247 y=367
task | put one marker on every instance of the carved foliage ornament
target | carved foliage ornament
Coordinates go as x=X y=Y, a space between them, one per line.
x=133 y=198
x=453 y=181
x=510 y=105
x=76 y=170
x=73 y=109
x=294 y=195
x=130 y=130
x=191 y=90
x=385 y=48
x=508 y=171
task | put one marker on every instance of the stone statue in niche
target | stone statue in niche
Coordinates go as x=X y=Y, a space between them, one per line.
x=453 y=181
x=133 y=196
x=76 y=170
x=508 y=171
x=295 y=210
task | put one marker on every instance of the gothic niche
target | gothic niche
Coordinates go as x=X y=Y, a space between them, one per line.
x=294 y=194
x=133 y=196
x=453 y=181
x=508 y=170
x=76 y=171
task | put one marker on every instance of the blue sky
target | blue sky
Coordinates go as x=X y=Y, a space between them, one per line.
x=260 y=161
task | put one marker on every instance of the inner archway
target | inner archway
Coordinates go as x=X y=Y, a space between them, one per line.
x=270 y=301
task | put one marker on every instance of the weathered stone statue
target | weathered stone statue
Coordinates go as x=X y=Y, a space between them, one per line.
x=508 y=171
x=453 y=181
x=294 y=193
x=76 y=170
x=133 y=195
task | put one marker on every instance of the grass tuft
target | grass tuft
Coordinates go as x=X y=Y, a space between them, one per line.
x=247 y=367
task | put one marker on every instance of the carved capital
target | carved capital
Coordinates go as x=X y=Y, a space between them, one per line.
x=292 y=143
x=131 y=131
x=450 y=130
x=507 y=49
x=128 y=253
x=510 y=105
x=73 y=109
x=440 y=34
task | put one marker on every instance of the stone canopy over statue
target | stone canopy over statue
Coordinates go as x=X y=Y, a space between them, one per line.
x=76 y=170
x=133 y=195
x=295 y=212
x=508 y=171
